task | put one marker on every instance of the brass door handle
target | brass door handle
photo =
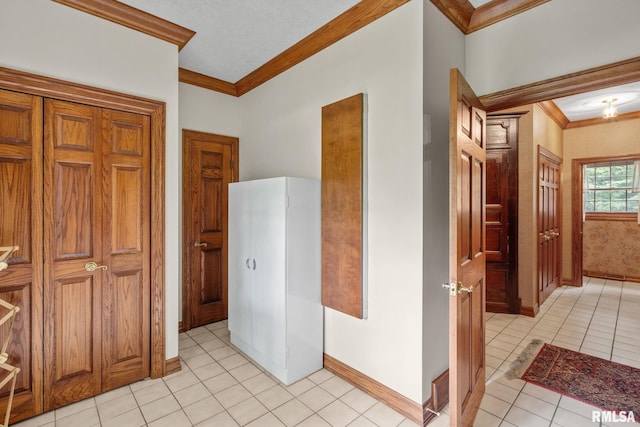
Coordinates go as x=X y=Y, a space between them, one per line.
x=457 y=288
x=200 y=245
x=92 y=266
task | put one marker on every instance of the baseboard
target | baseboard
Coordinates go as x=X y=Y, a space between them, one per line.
x=529 y=311
x=439 y=398
x=181 y=327
x=171 y=366
x=568 y=282
x=611 y=276
x=391 y=398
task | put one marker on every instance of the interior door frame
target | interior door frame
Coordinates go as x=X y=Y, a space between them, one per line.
x=187 y=250
x=47 y=87
x=576 y=210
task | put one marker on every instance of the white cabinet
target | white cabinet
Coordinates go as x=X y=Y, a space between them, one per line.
x=275 y=314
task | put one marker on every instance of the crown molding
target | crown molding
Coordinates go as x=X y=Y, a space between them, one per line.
x=556 y=114
x=614 y=74
x=469 y=19
x=345 y=24
x=601 y=121
x=459 y=12
x=211 y=83
x=136 y=19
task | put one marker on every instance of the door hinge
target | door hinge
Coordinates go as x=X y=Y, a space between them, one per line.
x=286 y=201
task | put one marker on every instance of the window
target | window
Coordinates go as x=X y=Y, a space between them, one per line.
x=608 y=187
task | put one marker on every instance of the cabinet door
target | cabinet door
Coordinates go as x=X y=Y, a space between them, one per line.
x=269 y=279
x=240 y=260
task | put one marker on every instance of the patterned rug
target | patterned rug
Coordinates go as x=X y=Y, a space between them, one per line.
x=607 y=385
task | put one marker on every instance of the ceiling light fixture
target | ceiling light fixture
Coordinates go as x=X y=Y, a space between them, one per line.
x=610 y=111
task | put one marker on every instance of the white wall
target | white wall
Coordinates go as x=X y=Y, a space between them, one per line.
x=281 y=135
x=550 y=40
x=204 y=110
x=439 y=58
x=49 y=39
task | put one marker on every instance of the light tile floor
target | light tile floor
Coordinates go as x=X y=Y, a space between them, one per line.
x=602 y=318
x=219 y=387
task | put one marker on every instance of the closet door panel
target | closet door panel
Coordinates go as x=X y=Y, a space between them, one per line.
x=72 y=229
x=126 y=240
x=21 y=225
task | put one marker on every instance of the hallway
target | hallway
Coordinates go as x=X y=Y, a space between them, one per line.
x=602 y=319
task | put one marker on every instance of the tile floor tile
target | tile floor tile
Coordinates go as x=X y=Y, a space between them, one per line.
x=247 y=411
x=274 y=397
x=292 y=412
x=232 y=396
x=175 y=419
x=159 y=408
x=316 y=398
x=203 y=409
x=338 y=414
x=383 y=416
x=358 y=400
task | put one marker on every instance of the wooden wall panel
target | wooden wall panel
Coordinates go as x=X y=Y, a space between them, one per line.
x=343 y=196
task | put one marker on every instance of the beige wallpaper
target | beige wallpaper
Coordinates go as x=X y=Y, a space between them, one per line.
x=610 y=139
x=611 y=247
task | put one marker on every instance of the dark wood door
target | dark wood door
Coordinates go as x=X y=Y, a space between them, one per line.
x=549 y=219
x=467 y=252
x=209 y=165
x=96 y=252
x=502 y=214
x=21 y=225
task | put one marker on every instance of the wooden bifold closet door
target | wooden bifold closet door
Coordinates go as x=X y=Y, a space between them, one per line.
x=84 y=192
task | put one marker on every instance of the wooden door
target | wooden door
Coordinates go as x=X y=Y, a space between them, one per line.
x=209 y=165
x=72 y=235
x=502 y=214
x=21 y=225
x=96 y=209
x=125 y=248
x=549 y=243
x=467 y=252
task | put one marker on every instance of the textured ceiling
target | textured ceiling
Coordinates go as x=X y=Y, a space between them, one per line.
x=234 y=37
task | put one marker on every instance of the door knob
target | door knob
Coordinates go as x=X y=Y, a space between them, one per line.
x=92 y=266
x=200 y=245
x=457 y=288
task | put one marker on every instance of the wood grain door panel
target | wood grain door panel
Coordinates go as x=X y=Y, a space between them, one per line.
x=72 y=229
x=21 y=284
x=467 y=252
x=502 y=213
x=125 y=248
x=210 y=164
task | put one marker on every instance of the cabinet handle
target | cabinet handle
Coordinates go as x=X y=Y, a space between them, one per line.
x=254 y=263
x=247 y=263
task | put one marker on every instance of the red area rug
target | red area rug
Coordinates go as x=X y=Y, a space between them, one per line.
x=607 y=385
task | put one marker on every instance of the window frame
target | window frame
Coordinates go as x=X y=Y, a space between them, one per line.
x=607 y=216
